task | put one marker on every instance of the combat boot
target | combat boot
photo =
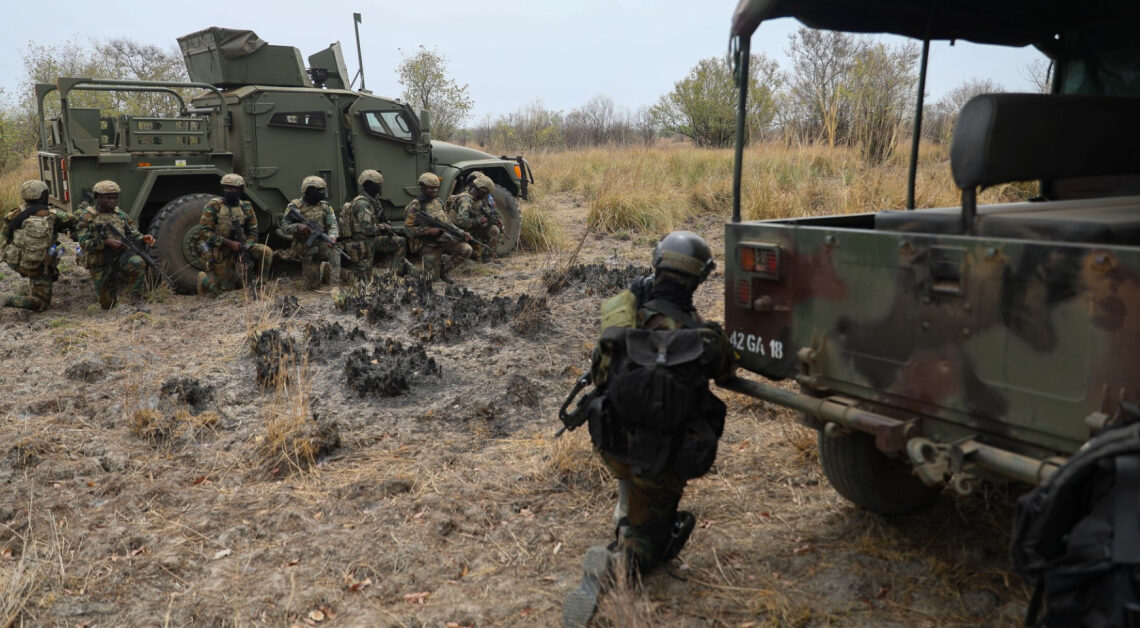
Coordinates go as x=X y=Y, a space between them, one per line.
x=444 y=277
x=682 y=527
x=583 y=601
x=326 y=272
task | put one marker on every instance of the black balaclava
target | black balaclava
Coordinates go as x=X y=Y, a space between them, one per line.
x=232 y=198
x=314 y=195
x=372 y=188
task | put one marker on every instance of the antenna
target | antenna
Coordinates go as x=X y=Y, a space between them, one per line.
x=359 y=58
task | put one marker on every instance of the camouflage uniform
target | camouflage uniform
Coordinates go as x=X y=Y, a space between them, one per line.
x=221 y=222
x=478 y=217
x=43 y=275
x=367 y=236
x=111 y=269
x=432 y=248
x=314 y=257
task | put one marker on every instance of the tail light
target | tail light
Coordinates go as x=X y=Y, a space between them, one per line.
x=744 y=292
x=760 y=259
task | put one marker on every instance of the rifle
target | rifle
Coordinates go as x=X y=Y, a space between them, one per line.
x=423 y=219
x=581 y=412
x=315 y=232
x=237 y=234
x=134 y=246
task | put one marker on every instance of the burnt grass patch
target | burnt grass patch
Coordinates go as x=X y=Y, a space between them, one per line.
x=273 y=352
x=389 y=369
x=450 y=316
x=594 y=278
x=332 y=340
x=188 y=391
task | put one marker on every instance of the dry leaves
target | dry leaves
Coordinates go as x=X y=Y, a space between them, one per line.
x=351 y=584
x=416 y=598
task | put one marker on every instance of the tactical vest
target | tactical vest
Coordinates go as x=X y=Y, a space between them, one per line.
x=29 y=247
x=348 y=222
x=226 y=217
x=97 y=219
x=315 y=213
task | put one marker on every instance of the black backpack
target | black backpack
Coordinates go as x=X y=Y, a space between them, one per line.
x=657 y=413
x=1077 y=535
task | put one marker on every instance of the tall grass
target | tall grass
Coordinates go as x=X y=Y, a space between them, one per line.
x=10 y=181
x=657 y=189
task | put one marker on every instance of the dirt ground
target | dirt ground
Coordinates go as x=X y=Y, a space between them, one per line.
x=153 y=464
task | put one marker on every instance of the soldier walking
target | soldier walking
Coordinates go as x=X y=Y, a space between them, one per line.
x=430 y=241
x=320 y=261
x=365 y=231
x=108 y=259
x=472 y=211
x=661 y=422
x=31 y=237
x=229 y=239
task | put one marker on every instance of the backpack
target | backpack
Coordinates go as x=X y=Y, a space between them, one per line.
x=657 y=413
x=1077 y=535
x=344 y=219
x=29 y=247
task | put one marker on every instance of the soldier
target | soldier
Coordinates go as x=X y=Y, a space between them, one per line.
x=229 y=237
x=31 y=232
x=431 y=241
x=320 y=261
x=106 y=257
x=653 y=440
x=366 y=232
x=472 y=211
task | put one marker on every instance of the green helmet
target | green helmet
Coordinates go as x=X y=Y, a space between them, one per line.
x=684 y=253
x=429 y=179
x=484 y=183
x=313 y=182
x=370 y=175
x=105 y=187
x=32 y=190
x=233 y=180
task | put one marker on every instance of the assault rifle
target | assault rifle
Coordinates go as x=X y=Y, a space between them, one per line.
x=571 y=420
x=424 y=219
x=243 y=258
x=136 y=247
x=315 y=232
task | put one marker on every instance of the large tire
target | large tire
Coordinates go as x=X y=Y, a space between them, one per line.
x=869 y=478
x=175 y=230
x=508 y=207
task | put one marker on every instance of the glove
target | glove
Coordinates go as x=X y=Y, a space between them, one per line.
x=148 y=239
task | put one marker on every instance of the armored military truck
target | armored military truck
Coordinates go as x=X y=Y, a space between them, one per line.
x=254 y=109
x=952 y=344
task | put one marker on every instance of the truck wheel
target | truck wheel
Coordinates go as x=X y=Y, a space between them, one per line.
x=869 y=478
x=175 y=230
x=508 y=207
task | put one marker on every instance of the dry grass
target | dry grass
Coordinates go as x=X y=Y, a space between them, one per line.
x=657 y=189
x=10 y=183
x=540 y=233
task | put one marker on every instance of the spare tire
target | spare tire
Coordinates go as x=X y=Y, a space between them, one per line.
x=508 y=207
x=175 y=230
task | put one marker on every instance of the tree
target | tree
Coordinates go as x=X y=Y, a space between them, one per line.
x=427 y=86
x=702 y=106
x=941 y=116
x=1040 y=74
x=880 y=86
x=821 y=66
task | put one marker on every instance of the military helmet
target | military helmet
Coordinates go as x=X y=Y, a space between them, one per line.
x=233 y=180
x=686 y=253
x=32 y=190
x=105 y=187
x=484 y=183
x=370 y=175
x=429 y=179
x=313 y=182
x=475 y=174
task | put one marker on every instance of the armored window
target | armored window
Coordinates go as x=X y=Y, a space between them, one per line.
x=299 y=119
x=391 y=123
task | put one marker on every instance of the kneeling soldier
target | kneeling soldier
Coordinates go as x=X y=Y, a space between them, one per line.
x=365 y=231
x=428 y=231
x=108 y=259
x=320 y=260
x=229 y=239
x=33 y=250
x=472 y=211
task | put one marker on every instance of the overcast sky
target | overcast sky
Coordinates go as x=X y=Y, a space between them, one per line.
x=508 y=53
